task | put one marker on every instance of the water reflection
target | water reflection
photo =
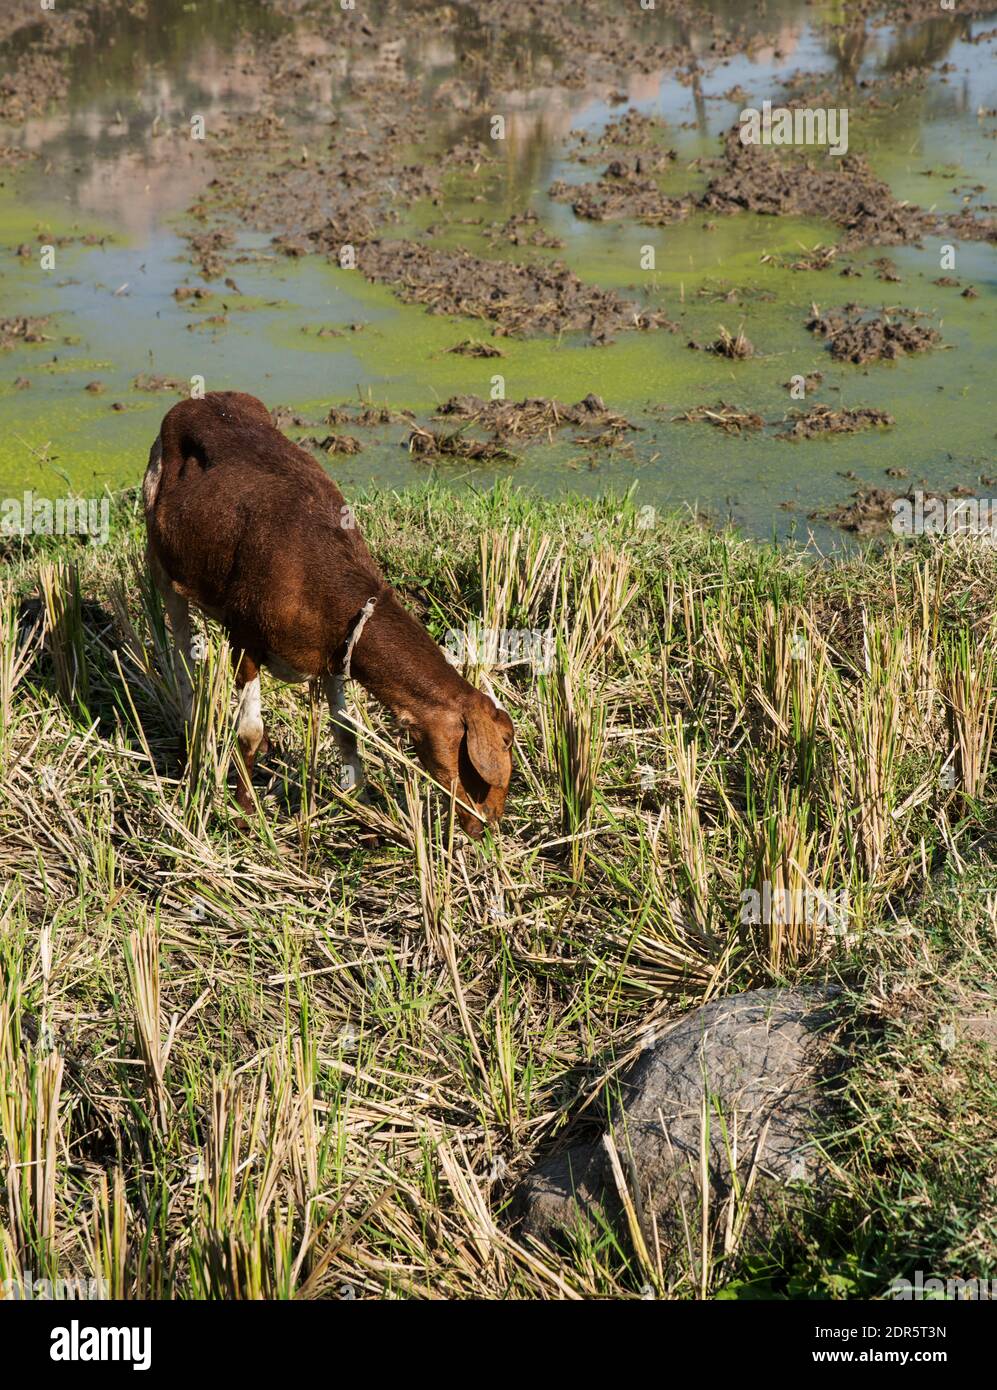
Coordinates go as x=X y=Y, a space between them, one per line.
x=121 y=152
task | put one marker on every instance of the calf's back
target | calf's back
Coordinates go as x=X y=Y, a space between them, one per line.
x=250 y=527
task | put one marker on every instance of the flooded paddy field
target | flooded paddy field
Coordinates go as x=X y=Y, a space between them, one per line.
x=402 y=205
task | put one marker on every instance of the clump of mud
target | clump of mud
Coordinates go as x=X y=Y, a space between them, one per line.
x=638 y=200
x=12 y=155
x=519 y=299
x=536 y=416
x=22 y=330
x=150 y=381
x=869 y=511
x=968 y=227
x=821 y=420
x=845 y=191
x=626 y=188
x=436 y=444
x=334 y=444
x=474 y=347
x=735 y=346
x=757 y=178
x=208 y=250
x=731 y=419
x=29 y=88
x=368 y=416
x=283 y=418
x=853 y=337
x=211 y=321
x=525 y=229
x=631 y=131
x=26 y=250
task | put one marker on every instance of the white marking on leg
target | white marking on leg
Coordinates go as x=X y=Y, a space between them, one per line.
x=351 y=778
x=249 y=720
x=150 y=483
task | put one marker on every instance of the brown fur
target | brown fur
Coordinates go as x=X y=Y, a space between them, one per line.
x=249 y=527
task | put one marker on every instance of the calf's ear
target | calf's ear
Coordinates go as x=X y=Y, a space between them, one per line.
x=488 y=743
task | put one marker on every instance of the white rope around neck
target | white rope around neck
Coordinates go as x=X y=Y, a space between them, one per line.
x=361 y=623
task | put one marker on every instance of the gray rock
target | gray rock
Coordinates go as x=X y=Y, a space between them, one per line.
x=737 y=1079
x=566 y=1191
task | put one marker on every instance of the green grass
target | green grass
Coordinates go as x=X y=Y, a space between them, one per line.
x=913 y=1143
x=314 y=1059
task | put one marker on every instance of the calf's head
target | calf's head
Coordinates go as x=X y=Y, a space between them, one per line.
x=468 y=747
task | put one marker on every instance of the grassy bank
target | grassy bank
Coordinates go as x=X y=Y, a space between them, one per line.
x=314 y=1059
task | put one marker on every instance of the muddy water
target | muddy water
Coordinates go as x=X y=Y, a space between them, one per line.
x=108 y=162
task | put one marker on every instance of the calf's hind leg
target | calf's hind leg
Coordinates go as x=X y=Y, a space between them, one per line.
x=249 y=729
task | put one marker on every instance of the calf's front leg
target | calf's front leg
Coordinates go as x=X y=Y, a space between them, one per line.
x=351 y=778
x=178 y=612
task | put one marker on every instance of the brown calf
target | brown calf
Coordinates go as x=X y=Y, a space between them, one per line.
x=248 y=527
